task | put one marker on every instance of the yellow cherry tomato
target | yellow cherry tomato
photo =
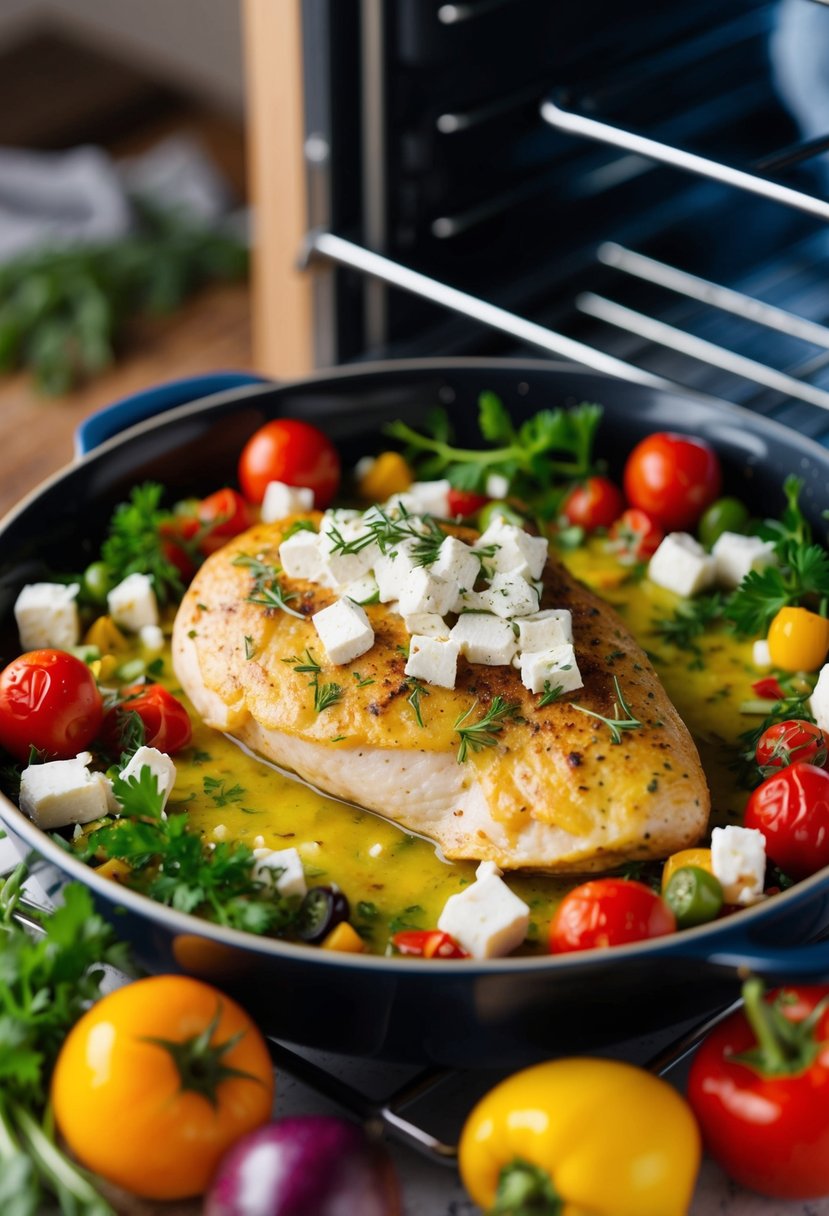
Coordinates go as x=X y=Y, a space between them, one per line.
x=389 y=474
x=798 y=639
x=686 y=857
x=604 y=1137
x=156 y=1081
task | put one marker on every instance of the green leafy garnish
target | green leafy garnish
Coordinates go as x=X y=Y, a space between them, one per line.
x=325 y=695
x=134 y=544
x=622 y=719
x=299 y=525
x=484 y=732
x=267 y=589
x=794 y=706
x=551 y=693
x=217 y=790
x=417 y=691
x=691 y=619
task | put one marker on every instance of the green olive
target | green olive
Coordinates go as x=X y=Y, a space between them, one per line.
x=97 y=581
x=497 y=507
x=694 y=896
x=724 y=515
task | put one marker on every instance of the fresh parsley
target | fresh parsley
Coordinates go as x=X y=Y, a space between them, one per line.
x=484 y=732
x=691 y=619
x=622 y=719
x=216 y=789
x=267 y=589
x=135 y=545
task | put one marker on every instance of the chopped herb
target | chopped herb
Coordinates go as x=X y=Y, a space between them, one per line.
x=135 y=545
x=484 y=732
x=308 y=664
x=362 y=683
x=413 y=699
x=387 y=532
x=339 y=738
x=267 y=589
x=617 y=723
x=326 y=695
x=299 y=525
x=367 y=910
x=191 y=633
x=409 y=918
x=132 y=733
x=550 y=694
x=653 y=785
x=215 y=788
x=201 y=757
x=250 y=648
x=691 y=619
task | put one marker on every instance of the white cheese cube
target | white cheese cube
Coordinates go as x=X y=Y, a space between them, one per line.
x=484 y=638
x=457 y=563
x=281 y=500
x=344 y=631
x=344 y=568
x=510 y=595
x=486 y=918
x=819 y=701
x=736 y=555
x=292 y=879
x=557 y=665
x=433 y=660
x=132 y=604
x=151 y=638
x=543 y=630
x=159 y=764
x=363 y=590
x=300 y=556
x=63 y=791
x=47 y=616
x=392 y=571
x=761 y=655
x=430 y=497
x=738 y=860
x=427 y=624
x=497 y=485
x=426 y=592
x=515 y=550
x=681 y=565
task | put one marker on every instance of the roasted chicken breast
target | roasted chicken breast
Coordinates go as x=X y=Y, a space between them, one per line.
x=551 y=792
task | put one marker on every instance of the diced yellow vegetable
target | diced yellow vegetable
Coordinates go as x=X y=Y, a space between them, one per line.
x=686 y=857
x=106 y=635
x=390 y=474
x=103 y=668
x=344 y=938
x=114 y=868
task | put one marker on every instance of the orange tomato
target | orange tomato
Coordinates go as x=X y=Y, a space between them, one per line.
x=798 y=639
x=156 y=1081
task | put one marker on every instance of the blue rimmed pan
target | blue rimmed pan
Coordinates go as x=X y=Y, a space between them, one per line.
x=459 y=1013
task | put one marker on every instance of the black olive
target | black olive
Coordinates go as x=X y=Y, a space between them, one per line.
x=321 y=910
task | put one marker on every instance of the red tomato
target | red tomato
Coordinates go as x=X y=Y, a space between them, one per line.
x=465 y=503
x=635 y=536
x=673 y=477
x=226 y=514
x=596 y=503
x=293 y=452
x=609 y=912
x=769 y=1132
x=768 y=688
x=178 y=543
x=427 y=943
x=786 y=742
x=791 y=809
x=48 y=700
x=166 y=721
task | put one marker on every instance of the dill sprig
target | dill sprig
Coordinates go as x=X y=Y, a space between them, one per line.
x=387 y=532
x=622 y=719
x=484 y=732
x=417 y=691
x=267 y=589
x=325 y=695
x=551 y=693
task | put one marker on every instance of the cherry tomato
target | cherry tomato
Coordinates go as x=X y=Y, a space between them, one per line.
x=178 y=543
x=787 y=742
x=225 y=514
x=293 y=452
x=427 y=943
x=166 y=721
x=768 y=688
x=596 y=503
x=766 y=1121
x=464 y=503
x=635 y=536
x=798 y=639
x=609 y=912
x=672 y=477
x=143 y=1102
x=791 y=809
x=48 y=700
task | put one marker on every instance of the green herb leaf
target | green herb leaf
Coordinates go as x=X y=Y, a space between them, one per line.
x=267 y=589
x=622 y=719
x=484 y=732
x=134 y=544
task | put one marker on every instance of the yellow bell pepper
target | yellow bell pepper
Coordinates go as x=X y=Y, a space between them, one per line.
x=344 y=938
x=106 y=635
x=593 y=1137
x=798 y=639
x=686 y=857
x=390 y=474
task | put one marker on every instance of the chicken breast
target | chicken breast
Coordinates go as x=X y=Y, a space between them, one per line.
x=553 y=793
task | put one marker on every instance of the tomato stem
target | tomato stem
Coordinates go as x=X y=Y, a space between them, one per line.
x=525 y=1190
x=784 y=1047
x=200 y=1062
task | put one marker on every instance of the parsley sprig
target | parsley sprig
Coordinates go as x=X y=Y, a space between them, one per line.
x=691 y=619
x=267 y=589
x=622 y=719
x=484 y=732
x=135 y=545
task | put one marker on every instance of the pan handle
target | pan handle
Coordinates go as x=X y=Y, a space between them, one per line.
x=113 y=419
x=779 y=964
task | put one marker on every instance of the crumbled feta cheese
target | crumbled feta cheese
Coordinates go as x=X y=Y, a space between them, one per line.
x=281 y=500
x=426 y=592
x=375 y=850
x=681 y=565
x=510 y=595
x=737 y=555
x=392 y=571
x=300 y=556
x=219 y=832
x=761 y=655
x=159 y=764
x=433 y=660
x=259 y=842
x=63 y=791
x=516 y=552
x=738 y=860
x=484 y=638
x=343 y=568
x=47 y=616
x=819 y=701
x=427 y=624
x=291 y=880
x=543 y=630
x=497 y=485
x=344 y=631
x=429 y=497
x=457 y=563
x=151 y=638
x=363 y=590
x=486 y=918
x=132 y=604
x=557 y=665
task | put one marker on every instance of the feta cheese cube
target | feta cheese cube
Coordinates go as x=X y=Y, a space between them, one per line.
x=737 y=555
x=819 y=701
x=486 y=918
x=392 y=571
x=426 y=592
x=301 y=556
x=457 y=563
x=62 y=792
x=132 y=604
x=484 y=638
x=433 y=660
x=681 y=565
x=510 y=595
x=344 y=631
x=343 y=568
x=543 y=630
x=516 y=551
x=738 y=860
x=430 y=497
x=47 y=616
x=497 y=485
x=281 y=500
x=159 y=764
x=292 y=879
x=761 y=655
x=557 y=665
x=151 y=638
x=427 y=624
x=363 y=590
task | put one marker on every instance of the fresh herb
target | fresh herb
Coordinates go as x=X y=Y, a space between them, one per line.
x=325 y=695
x=550 y=694
x=299 y=525
x=362 y=682
x=367 y=910
x=132 y=733
x=387 y=532
x=622 y=719
x=484 y=732
x=250 y=647
x=215 y=788
x=409 y=918
x=691 y=619
x=308 y=664
x=134 y=544
x=267 y=589
x=417 y=690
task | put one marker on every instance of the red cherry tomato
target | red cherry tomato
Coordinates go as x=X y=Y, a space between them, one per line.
x=769 y=1132
x=464 y=503
x=673 y=477
x=48 y=700
x=768 y=688
x=609 y=912
x=226 y=514
x=791 y=809
x=790 y=741
x=293 y=452
x=178 y=543
x=427 y=943
x=596 y=503
x=166 y=721
x=635 y=536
